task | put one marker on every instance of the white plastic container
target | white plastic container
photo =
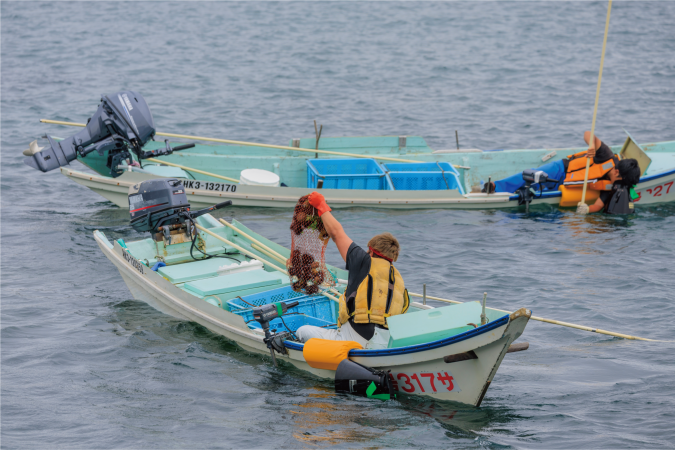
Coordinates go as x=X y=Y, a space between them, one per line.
x=258 y=177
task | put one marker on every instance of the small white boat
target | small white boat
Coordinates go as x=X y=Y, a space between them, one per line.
x=656 y=184
x=459 y=366
x=117 y=144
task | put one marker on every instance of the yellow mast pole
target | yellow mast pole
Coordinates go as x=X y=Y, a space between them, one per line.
x=252 y=144
x=591 y=142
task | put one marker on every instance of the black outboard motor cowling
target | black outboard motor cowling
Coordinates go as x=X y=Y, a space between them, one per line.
x=122 y=123
x=162 y=204
x=155 y=203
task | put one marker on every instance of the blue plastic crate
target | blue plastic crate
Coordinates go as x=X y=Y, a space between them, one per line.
x=420 y=167
x=263 y=298
x=316 y=306
x=354 y=173
x=294 y=322
x=424 y=177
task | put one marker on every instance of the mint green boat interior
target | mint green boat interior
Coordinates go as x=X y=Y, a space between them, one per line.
x=292 y=167
x=237 y=283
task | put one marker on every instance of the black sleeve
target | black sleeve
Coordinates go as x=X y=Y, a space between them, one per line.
x=355 y=257
x=358 y=265
x=604 y=153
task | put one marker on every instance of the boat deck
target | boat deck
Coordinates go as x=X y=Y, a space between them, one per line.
x=237 y=283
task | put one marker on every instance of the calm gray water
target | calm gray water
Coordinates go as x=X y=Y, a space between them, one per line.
x=86 y=366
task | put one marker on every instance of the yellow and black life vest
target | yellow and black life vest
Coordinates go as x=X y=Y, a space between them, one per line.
x=380 y=295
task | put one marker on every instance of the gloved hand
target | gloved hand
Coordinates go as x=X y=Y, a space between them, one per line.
x=582 y=209
x=319 y=202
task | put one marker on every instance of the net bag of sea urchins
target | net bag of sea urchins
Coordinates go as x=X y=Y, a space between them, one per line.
x=307 y=264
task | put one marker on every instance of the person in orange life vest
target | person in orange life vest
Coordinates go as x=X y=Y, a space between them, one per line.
x=556 y=170
x=624 y=177
x=375 y=288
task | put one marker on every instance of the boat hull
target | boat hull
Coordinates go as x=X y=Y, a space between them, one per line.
x=418 y=370
x=659 y=188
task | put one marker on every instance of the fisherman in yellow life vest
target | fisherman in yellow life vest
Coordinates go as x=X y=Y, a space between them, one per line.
x=375 y=288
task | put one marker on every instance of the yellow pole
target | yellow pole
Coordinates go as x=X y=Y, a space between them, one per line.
x=237 y=230
x=266 y=253
x=241 y=249
x=554 y=322
x=252 y=144
x=222 y=177
x=591 y=142
x=271 y=253
x=252 y=255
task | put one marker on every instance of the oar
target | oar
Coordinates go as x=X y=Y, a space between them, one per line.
x=252 y=255
x=252 y=144
x=190 y=169
x=237 y=230
x=271 y=253
x=591 y=142
x=555 y=322
x=241 y=249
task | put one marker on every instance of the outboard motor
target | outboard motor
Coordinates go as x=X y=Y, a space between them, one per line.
x=160 y=206
x=264 y=314
x=122 y=124
x=526 y=193
x=353 y=378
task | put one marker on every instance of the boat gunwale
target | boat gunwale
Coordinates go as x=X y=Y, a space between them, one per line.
x=250 y=334
x=460 y=199
x=553 y=194
x=504 y=320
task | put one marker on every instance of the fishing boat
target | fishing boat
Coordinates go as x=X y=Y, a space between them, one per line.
x=656 y=185
x=448 y=353
x=398 y=172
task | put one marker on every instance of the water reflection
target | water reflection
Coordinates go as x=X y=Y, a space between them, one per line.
x=324 y=418
x=318 y=415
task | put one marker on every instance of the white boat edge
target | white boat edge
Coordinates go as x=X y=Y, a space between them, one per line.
x=470 y=379
x=116 y=190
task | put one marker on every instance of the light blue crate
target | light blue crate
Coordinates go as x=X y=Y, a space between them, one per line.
x=353 y=173
x=283 y=294
x=421 y=167
x=316 y=306
x=424 y=177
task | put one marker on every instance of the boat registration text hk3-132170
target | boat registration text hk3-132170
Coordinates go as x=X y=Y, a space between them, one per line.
x=209 y=186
